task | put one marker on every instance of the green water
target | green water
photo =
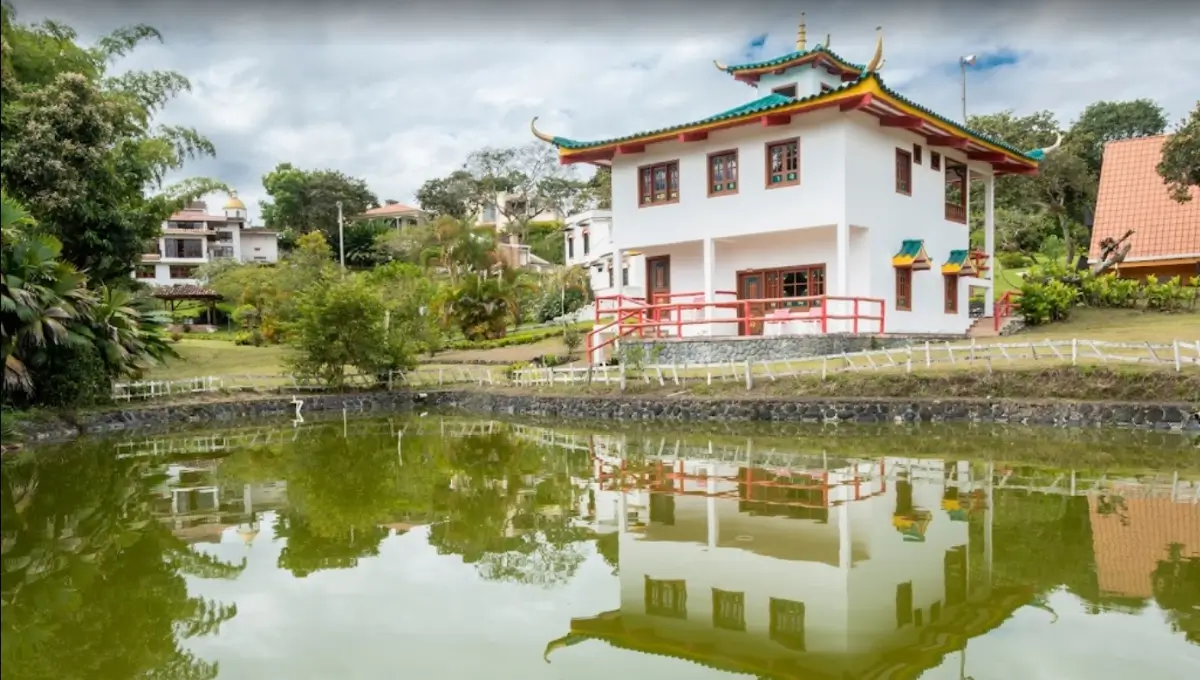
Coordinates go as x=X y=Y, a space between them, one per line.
x=449 y=548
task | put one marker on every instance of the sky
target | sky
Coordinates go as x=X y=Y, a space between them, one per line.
x=400 y=92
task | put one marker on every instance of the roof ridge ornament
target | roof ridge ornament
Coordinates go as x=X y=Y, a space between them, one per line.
x=1039 y=154
x=828 y=37
x=538 y=133
x=720 y=66
x=876 y=60
x=802 y=35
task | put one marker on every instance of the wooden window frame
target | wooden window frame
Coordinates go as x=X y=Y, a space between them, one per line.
x=917 y=154
x=785 y=89
x=727 y=154
x=645 y=201
x=792 y=639
x=587 y=242
x=611 y=275
x=904 y=281
x=570 y=247
x=904 y=162
x=144 y=268
x=625 y=275
x=679 y=592
x=190 y=268
x=935 y=161
x=956 y=212
x=767 y=164
x=904 y=602
x=950 y=293
x=738 y=602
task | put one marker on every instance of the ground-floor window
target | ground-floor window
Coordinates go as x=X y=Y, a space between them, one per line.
x=610 y=276
x=951 y=293
x=183 y=271
x=904 y=289
x=145 y=271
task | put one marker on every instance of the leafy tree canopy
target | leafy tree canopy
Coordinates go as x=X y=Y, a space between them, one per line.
x=304 y=201
x=1180 y=166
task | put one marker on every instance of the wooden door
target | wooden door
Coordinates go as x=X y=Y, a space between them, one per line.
x=658 y=283
x=751 y=286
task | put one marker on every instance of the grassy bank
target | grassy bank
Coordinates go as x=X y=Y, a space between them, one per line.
x=1082 y=383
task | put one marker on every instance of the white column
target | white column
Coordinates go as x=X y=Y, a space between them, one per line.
x=845 y=556
x=989 y=223
x=618 y=263
x=622 y=511
x=710 y=294
x=843 y=259
x=713 y=522
x=988 y=520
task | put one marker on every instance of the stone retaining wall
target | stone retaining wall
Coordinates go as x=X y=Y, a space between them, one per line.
x=1059 y=413
x=767 y=348
x=1146 y=416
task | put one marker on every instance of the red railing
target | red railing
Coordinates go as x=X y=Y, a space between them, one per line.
x=750 y=316
x=1005 y=307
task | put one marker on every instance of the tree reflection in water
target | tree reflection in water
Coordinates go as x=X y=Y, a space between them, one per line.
x=93 y=584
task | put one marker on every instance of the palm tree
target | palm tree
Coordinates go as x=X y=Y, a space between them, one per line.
x=41 y=299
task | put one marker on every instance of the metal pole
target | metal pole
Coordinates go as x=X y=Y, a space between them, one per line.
x=342 y=237
x=963 y=64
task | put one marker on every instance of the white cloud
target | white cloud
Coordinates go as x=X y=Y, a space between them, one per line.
x=397 y=95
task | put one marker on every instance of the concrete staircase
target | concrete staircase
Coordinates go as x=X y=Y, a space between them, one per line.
x=985 y=327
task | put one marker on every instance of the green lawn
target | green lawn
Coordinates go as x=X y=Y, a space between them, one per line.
x=210 y=357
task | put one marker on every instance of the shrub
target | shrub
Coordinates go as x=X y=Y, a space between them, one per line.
x=72 y=376
x=176 y=336
x=1109 y=290
x=253 y=337
x=1013 y=260
x=1044 y=302
x=572 y=339
x=557 y=303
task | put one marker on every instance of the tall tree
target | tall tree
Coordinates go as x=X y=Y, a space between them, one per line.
x=303 y=201
x=1106 y=121
x=1180 y=166
x=599 y=188
x=452 y=196
x=80 y=149
x=530 y=178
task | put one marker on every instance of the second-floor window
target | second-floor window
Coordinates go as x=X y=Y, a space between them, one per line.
x=917 y=154
x=183 y=271
x=659 y=183
x=625 y=276
x=786 y=90
x=183 y=247
x=903 y=172
x=956 y=191
x=489 y=214
x=666 y=598
x=787 y=623
x=935 y=160
x=570 y=246
x=729 y=609
x=587 y=242
x=783 y=163
x=723 y=173
x=610 y=276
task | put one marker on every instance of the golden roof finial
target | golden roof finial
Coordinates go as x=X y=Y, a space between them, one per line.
x=828 y=37
x=802 y=35
x=720 y=66
x=877 y=59
x=539 y=134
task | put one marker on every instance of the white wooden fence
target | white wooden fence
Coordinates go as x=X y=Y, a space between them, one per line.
x=1177 y=355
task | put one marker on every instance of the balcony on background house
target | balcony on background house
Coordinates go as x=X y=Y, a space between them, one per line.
x=956 y=213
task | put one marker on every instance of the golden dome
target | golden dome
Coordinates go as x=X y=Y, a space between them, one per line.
x=234 y=203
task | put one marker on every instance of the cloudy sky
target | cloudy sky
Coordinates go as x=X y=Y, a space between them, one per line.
x=397 y=93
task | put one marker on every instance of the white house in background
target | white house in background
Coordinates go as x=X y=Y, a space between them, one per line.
x=588 y=242
x=396 y=214
x=864 y=571
x=827 y=203
x=192 y=237
x=494 y=214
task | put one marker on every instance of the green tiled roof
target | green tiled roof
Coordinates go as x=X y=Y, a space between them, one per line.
x=761 y=105
x=791 y=56
x=775 y=101
x=910 y=248
x=958 y=257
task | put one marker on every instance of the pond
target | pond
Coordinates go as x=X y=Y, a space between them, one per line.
x=454 y=548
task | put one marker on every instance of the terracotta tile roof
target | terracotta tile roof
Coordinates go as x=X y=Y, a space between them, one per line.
x=1132 y=196
x=391 y=210
x=1129 y=543
x=185 y=291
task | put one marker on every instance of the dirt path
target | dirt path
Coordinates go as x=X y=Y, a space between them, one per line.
x=500 y=355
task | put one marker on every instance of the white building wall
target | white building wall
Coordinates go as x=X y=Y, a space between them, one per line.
x=258 y=247
x=598 y=258
x=890 y=218
x=807 y=80
x=817 y=201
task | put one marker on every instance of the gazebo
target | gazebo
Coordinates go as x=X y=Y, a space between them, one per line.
x=172 y=295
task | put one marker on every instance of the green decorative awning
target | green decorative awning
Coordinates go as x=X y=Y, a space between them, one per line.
x=959 y=263
x=912 y=255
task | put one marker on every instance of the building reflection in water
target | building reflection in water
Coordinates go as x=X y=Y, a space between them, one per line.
x=828 y=568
